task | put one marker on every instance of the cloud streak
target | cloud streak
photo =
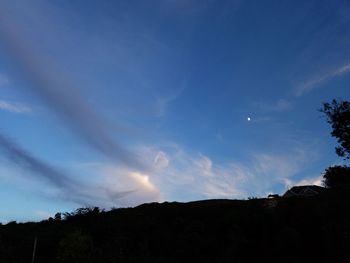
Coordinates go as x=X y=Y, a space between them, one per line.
x=63 y=98
x=23 y=159
x=14 y=107
x=279 y=106
x=312 y=84
x=69 y=189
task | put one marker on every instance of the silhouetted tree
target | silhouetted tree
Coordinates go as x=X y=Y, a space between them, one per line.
x=337 y=177
x=67 y=215
x=76 y=247
x=338 y=115
x=58 y=216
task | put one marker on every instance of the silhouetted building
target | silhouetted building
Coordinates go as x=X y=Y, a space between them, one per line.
x=304 y=191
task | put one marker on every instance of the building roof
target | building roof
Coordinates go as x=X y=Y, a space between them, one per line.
x=304 y=190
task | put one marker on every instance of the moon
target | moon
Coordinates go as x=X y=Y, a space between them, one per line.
x=248 y=119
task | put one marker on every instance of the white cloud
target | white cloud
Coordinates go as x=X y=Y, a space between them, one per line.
x=204 y=164
x=143 y=180
x=198 y=176
x=181 y=175
x=314 y=83
x=161 y=160
x=176 y=175
x=138 y=187
x=318 y=180
x=14 y=107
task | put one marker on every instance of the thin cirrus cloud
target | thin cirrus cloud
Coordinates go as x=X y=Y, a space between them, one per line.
x=312 y=84
x=163 y=102
x=62 y=97
x=280 y=105
x=14 y=107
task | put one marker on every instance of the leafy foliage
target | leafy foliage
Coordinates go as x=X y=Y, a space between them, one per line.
x=337 y=177
x=338 y=115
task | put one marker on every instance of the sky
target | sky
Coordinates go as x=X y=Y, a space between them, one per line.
x=119 y=103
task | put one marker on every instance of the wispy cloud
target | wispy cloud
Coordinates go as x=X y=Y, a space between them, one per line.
x=67 y=188
x=180 y=175
x=317 y=180
x=314 y=83
x=161 y=106
x=259 y=119
x=64 y=99
x=176 y=174
x=14 y=107
x=280 y=105
x=162 y=102
x=143 y=190
x=183 y=175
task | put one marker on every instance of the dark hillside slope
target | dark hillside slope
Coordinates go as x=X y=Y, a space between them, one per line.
x=314 y=229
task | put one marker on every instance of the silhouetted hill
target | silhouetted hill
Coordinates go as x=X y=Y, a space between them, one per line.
x=313 y=229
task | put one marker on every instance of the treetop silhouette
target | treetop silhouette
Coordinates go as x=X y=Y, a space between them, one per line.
x=338 y=115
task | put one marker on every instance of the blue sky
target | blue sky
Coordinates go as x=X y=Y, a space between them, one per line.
x=117 y=103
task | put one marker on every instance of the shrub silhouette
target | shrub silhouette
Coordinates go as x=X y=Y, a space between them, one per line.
x=75 y=248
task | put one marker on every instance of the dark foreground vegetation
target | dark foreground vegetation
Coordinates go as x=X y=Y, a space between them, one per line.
x=301 y=229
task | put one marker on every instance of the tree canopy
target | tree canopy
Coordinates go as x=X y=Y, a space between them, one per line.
x=337 y=177
x=338 y=115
